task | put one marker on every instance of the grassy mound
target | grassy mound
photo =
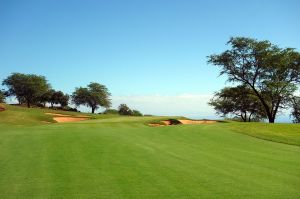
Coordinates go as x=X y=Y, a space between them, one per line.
x=17 y=115
x=282 y=133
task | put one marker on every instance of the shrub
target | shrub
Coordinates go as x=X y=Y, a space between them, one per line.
x=136 y=113
x=174 y=122
x=124 y=110
x=67 y=108
x=111 y=111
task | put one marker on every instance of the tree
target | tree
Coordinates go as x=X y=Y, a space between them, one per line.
x=27 y=88
x=111 y=111
x=124 y=110
x=136 y=113
x=64 y=100
x=296 y=109
x=47 y=97
x=58 y=97
x=271 y=72
x=2 y=96
x=238 y=101
x=94 y=96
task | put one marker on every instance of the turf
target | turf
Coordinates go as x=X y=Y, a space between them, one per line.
x=282 y=133
x=120 y=157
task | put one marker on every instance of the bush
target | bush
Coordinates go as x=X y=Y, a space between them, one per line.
x=111 y=111
x=124 y=110
x=136 y=113
x=174 y=122
x=67 y=108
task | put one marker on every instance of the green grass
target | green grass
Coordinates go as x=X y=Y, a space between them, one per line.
x=120 y=157
x=21 y=116
x=282 y=133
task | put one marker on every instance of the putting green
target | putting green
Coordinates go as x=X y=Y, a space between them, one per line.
x=120 y=157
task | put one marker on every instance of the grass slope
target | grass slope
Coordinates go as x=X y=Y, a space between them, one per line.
x=16 y=115
x=122 y=158
x=282 y=133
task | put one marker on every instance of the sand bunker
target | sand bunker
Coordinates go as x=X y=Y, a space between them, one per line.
x=57 y=114
x=167 y=122
x=197 y=121
x=179 y=122
x=69 y=119
x=156 y=125
x=2 y=108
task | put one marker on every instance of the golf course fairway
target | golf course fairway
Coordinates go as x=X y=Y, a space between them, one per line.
x=121 y=157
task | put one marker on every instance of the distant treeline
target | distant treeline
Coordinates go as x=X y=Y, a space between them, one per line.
x=34 y=90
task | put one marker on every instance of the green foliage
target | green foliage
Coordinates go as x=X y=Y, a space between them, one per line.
x=296 y=109
x=54 y=97
x=271 y=72
x=68 y=108
x=124 y=110
x=136 y=113
x=238 y=101
x=111 y=111
x=47 y=97
x=26 y=87
x=58 y=97
x=94 y=96
x=65 y=108
x=80 y=96
x=2 y=96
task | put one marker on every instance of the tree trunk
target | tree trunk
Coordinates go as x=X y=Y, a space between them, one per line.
x=266 y=107
x=249 y=119
x=271 y=119
x=28 y=104
x=244 y=119
x=93 y=110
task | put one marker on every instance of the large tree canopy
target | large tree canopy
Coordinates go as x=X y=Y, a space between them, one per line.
x=28 y=88
x=271 y=72
x=94 y=96
x=238 y=101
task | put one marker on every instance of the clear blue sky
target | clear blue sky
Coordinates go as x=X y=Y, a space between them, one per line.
x=136 y=48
